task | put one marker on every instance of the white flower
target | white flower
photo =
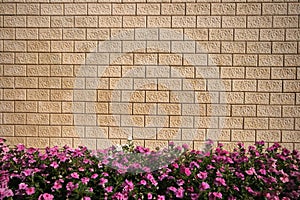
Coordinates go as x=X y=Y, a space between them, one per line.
x=119 y=147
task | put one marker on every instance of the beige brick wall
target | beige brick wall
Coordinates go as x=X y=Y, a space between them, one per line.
x=61 y=83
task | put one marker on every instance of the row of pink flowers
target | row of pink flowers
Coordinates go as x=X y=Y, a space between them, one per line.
x=139 y=173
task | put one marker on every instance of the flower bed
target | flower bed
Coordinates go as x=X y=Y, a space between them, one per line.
x=174 y=173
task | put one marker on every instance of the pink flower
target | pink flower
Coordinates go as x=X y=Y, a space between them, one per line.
x=143 y=182
x=202 y=175
x=214 y=195
x=75 y=175
x=85 y=180
x=102 y=181
x=94 y=176
x=204 y=186
x=46 y=196
x=172 y=188
x=54 y=165
x=179 y=193
x=109 y=189
x=30 y=190
x=250 y=171
x=160 y=197
x=57 y=185
x=86 y=198
x=187 y=171
x=23 y=186
x=185 y=146
x=149 y=195
x=220 y=181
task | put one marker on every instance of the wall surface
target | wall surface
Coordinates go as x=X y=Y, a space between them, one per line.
x=86 y=72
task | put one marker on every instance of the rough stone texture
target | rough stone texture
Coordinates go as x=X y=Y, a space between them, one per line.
x=95 y=72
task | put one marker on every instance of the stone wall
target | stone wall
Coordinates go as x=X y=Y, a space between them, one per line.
x=86 y=72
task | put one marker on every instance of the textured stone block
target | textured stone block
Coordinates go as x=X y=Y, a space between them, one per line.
x=74 y=34
x=258 y=73
x=89 y=143
x=25 y=58
x=97 y=132
x=271 y=34
x=290 y=136
x=173 y=9
x=248 y=9
x=183 y=21
x=73 y=58
x=8 y=9
x=144 y=108
x=282 y=98
x=157 y=96
x=15 y=46
x=97 y=34
x=284 y=47
x=268 y=135
x=61 y=21
x=51 y=34
x=49 y=107
x=197 y=9
x=7 y=130
x=243 y=135
x=38 y=46
x=38 y=94
x=86 y=21
x=259 y=22
x=6 y=106
x=208 y=21
x=220 y=34
x=52 y=9
x=169 y=84
x=49 y=131
x=38 y=70
x=8 y=58
x=37 y=142
x=283 y=73
x=233 y=22
x=259 y=47
x=223 y=8
x=75 y=9
x=270 y=85
x=244 y=60
x=14 y=118
x=144 y=133
x=26 y=106
x=99 y=9
x=124 y=9
x=268 y=111
x=6 y=82
x=291 y=86
x=244 y=85
x=205 y=122
x=232 y=98
x=291 y=111
x=108 y=95
x=61 y=119
x=256 y=123
x=134 y=21
x=169 y=109
x=270 y=60
x=14 y=70
x=294 y=8
x=38 y=21
x=285 y=22
x=159 y=21
x=72 y=131
x=61 y=95
x=26 y=82
x=282 y=123
x=61 y=142
x=14 y=21
x=244 y=110
x=14 y=94
x=274 y=8
x=9 y=33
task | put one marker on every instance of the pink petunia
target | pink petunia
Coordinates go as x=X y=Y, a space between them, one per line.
x=187 y=171
x=143 y=182
x=250 y=171
x=86 y=198
x=149 y=196
x=204 y=186
x=202 y=175
x=30 y=190
x=54 y=165
x=160 y=197
x=75 y=175
x=220 y=181
x=85 y=180
x=179 y=193
x=94 y=176
x=109 y=189
x=214 y=195
x=46 y=196
x=23 y=186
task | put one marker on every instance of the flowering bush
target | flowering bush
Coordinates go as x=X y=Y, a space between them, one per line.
x=253 y=173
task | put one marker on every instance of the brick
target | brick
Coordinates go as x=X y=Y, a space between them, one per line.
x=26 y=106
x=232 y=98
x=169 y=84
x=38 y=94
x=118 y=59
x=282 y=98
x=97 y=34
x=14 y=21
x=260 y=22
x=146 y=34
x=293 y=8
x=14 y=70
x=124 y=9
x=86 y=21
x=233 y=47
x=285 y=22
x=233 y=22
x=61 y=95
x=49 y=131
x=132 y=120
x=268 y=135
x=8 y=9
x=52 y=9
x=74 y=34
x=156 y=121
x=244 y=60
x=7 y=58
x=6 y=82
x=169 y=109
x=193 y=134
x=15 y=46
x=145 y=59
x=270 y=85
x=38 y=70
x=246 y=34
x=243 y=135
x=134 y=96
x=183 y=21
x=157 y=96
x=108 y=95
x=28 y=9
x=159 y=21
x=134 y=21
x=144 y=108
x=61 y=119
x=177 y=71
x=183 y=46
x=244 y=110
x=38 y=21
x=208 y=21
x=220 y=34
x=96 y=132
x=61 y=142
x=73 y=58
x=196 y=34
x=144 y=133
x=206 y=122
x=199 y=59
x=61 y=21
x=284 y=47
x=75 y=107
x=26 y=82
x=173 y=9
x=14 y=94
x=37 y=118
x=291 y=111
x=270 y=60
x=111 y=46
x=268 y=111
x=38 y=46
x=198 y=9
x=99 y=9
x=282 y=123
x=223 y=8
x=291 y=86
x=71 y=131
x=290 y=136
x=171 y=34
x=271 y=34
x=169 y=134
x=274 y=8
x=120 y=108
x=75 y=9
x=283 y=73
x=248 y=9
x=258 y=72
x=49 y=58
x=26 y=58
x=85 y=46
x=51 y=34
x=256 y=123
x=121 y=83
x=157 y=71
x=148 y=9
x=292 y=34
x=154 y=144
x=259 y=47
x=119 y=132
x=49 y=107
x=193 y=109
x=14 y=118
x=218 y=85
x=37 y=142
x=26 y=130
x=244 y=85
x=291 y=60
x=7 y=130
x=6 y=106
x=8 y=33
